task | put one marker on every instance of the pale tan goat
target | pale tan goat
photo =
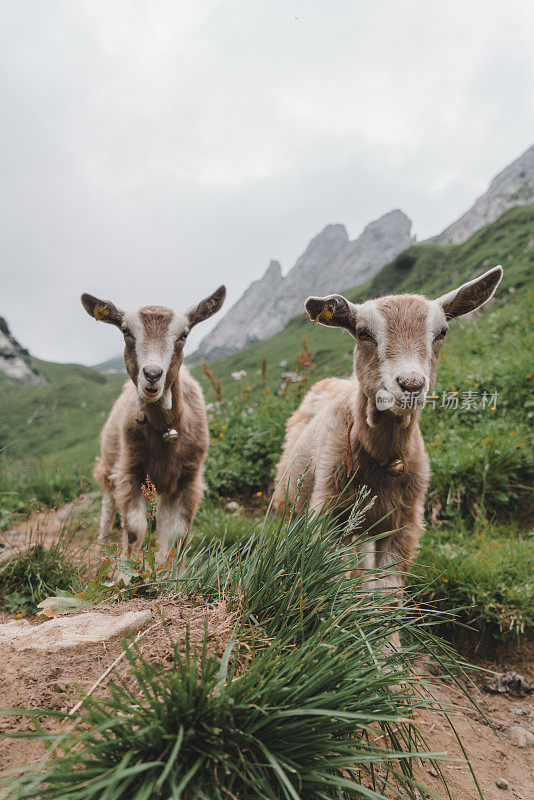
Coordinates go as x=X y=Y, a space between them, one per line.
x=157 y=427
x=365 y=430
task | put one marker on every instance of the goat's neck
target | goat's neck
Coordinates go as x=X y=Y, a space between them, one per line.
x=161 y=415
x=382 y=434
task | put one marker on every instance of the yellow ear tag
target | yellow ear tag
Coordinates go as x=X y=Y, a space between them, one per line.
x=325 y=314
x=100 y=312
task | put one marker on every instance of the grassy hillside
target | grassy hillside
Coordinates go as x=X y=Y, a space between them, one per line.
x=49 y=434
x=60 y=419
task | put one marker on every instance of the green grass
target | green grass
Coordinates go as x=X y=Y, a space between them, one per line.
x=483 y=577
x=291 y=711
x=212 y=522
x=49 y=435
x=60 y=420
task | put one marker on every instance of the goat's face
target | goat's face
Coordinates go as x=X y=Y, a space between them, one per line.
x=398 y=338
x=154 y=337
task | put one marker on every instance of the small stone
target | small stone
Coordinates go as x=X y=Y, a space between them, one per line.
x=232 y=506
x=501 y=783
x=520 y=736
x=433 y=773
x=508 y=682
x=71 y=631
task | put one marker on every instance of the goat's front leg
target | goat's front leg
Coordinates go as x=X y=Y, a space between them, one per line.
x=175 y=515
x=107 y=517
x=395 y=554
x=132 y=507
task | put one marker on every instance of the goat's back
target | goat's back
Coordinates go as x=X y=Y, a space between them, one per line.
x=305 y=429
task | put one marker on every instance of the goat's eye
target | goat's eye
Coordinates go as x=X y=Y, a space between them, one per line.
x=364 y=335
x=181 y=338
x=128 y=336
x=441 y=335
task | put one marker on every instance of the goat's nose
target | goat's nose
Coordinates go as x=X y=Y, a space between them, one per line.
x=152 y=374
x=411 y=382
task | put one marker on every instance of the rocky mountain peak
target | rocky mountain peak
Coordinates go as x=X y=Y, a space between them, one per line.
x=394 y=222
x=513 y=186
x=273 y=271
x=15 y=361
x=330 y=262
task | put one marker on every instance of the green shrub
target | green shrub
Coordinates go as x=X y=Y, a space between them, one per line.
x=245 y=444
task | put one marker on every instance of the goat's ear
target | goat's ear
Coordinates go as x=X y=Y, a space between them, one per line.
x=207 y=307
x=102 y=310
x=470 y=295
x=333 y=310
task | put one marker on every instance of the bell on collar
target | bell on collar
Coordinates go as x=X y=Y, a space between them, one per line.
x=169 y=435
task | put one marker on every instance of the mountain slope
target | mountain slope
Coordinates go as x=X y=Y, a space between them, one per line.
x=513 y=186
x=425 y=268
x=331 y=262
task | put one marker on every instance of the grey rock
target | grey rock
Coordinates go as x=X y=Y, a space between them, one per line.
x=520 y=736
x=70 y=631
x=508 y=682
x=501 y=783
x=232 y=506
x=513 y=186
x=330 y=263
x=15 y=361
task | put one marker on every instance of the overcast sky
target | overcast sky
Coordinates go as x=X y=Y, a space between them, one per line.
x=153 y=150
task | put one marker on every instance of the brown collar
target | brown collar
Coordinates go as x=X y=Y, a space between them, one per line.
x=395 y=466
x=168 y=435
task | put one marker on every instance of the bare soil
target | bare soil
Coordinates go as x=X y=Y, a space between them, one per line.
x=31 y=679
x=483 y=733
